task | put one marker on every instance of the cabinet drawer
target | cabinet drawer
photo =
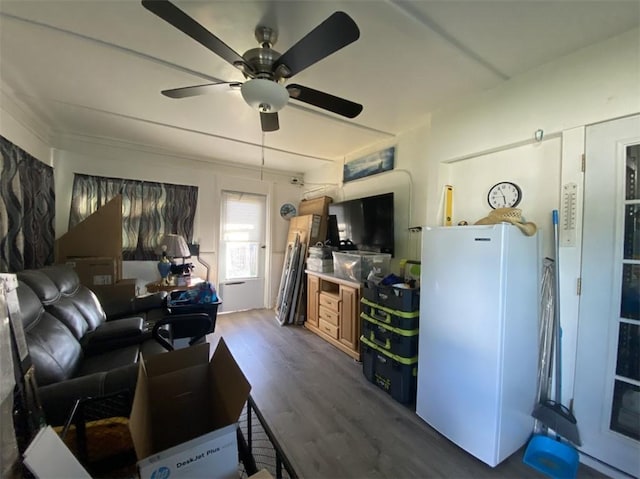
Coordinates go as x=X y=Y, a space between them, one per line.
x=330 y=301
x=328 y=328
x=328 y=315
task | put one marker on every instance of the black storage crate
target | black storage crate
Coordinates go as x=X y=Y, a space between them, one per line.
x=400 y=299
x=401 y=342
x=397 y=319
x=393 y=374
x=175 y=306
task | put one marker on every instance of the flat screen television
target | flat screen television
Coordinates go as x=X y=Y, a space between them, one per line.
x=366 y=222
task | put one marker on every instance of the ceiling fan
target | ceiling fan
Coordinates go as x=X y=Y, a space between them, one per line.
x=264 y=68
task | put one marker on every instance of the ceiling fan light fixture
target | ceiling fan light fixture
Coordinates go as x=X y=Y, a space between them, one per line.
x=265 y=96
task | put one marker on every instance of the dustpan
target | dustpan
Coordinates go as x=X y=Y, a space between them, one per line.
x=554 y=458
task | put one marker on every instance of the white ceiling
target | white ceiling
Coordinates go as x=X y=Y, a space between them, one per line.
x=96 y=68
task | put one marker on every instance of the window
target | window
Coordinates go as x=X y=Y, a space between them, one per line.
x=242 y=234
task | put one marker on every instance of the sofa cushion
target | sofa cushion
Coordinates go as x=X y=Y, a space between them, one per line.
x=55 y=352
x=41 y=284
x=49 y=294
x=76 y=299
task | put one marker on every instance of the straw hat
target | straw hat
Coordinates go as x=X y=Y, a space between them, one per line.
x=509 y=215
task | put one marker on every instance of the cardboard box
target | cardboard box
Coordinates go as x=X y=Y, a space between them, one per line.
x=261 y=474
x=96 y=270
x=120 y=291
x=116 y=298
x=100 y=234
x=307 y=227
x=317 y=206
x=185 y=412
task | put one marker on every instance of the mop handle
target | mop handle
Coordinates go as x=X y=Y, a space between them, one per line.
x=556 y=310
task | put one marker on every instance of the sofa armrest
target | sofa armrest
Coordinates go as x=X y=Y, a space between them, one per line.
x=141 y=304
x=122 y=328
x=115 y=334
x=58 y=399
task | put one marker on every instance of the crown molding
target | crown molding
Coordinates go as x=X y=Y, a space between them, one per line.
x=63 y=140
x=21 y=112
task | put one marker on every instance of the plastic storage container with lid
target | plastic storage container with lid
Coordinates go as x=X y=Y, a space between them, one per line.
x=356 y=265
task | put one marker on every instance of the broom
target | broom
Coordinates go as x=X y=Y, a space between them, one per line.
x=550 y=412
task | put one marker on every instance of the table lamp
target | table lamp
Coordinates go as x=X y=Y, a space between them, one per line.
x=171 y=246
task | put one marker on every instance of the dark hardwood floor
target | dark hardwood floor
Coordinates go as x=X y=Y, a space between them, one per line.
x=332 y=422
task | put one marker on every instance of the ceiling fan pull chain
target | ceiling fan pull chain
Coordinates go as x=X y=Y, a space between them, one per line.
x=262 y=163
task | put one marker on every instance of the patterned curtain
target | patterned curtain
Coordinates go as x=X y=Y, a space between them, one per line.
x=148 y=210
x=27 y=210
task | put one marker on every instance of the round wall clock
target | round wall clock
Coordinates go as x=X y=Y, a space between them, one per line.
x=504 y=195
x=287 y=211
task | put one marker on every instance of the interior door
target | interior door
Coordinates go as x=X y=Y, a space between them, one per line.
x=242 y=251
x=607 y=383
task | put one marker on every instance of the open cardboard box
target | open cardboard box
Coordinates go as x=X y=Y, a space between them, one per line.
x=185 y=412
x=96 y=270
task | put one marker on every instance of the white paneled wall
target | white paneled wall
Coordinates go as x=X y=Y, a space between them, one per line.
x=534 y=167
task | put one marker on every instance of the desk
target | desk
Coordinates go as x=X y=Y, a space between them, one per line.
x=157 y=286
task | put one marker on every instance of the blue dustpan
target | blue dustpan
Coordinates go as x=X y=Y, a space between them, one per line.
x=556 y=459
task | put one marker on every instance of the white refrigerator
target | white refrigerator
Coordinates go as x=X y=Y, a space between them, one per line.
x=478 y=346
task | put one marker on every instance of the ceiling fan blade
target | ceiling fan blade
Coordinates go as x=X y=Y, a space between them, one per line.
x=324 y=100
x=336 y=32
x=196 y=90
x=183 y=22
x=269 y=121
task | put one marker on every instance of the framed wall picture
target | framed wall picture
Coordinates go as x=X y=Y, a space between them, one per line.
x=372 y=164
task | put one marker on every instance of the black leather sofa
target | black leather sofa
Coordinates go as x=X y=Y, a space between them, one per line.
x=76 y=351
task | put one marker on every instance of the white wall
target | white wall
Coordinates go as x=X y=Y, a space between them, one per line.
x=405 y=181
x=595 y=84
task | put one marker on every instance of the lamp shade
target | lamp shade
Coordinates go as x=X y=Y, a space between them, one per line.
x=174 y=246
x=264 y=95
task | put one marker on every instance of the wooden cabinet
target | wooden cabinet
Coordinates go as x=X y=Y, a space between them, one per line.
x=333 y=311
x=349 y=331
x=313 y=291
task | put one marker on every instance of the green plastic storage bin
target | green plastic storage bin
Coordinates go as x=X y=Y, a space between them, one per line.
x=394 y=374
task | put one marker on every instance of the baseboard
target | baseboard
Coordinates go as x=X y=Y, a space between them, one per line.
x=603 y=468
